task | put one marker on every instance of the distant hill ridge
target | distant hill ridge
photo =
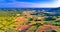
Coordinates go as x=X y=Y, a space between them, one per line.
x=30 y=9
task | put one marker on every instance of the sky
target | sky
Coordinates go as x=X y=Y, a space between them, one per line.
x=29 y=3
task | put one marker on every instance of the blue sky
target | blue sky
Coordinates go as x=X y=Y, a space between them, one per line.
x=29 y=3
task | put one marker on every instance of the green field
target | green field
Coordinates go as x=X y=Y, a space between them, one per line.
x=26 y=21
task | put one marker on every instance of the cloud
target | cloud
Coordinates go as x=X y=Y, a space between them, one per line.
x=9 y=5
x=36 y=1
x=40 y=5
x=58 y=3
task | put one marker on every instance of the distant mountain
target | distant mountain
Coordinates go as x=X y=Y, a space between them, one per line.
x=41 y=9
x=55 y=10
x=30 y=9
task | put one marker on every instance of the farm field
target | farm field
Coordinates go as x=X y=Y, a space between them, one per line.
x=28 y=21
